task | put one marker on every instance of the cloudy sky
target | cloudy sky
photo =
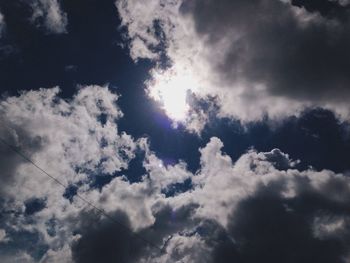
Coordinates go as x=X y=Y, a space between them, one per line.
x=166 y=131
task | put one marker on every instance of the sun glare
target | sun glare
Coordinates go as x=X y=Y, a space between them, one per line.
x=170 y=88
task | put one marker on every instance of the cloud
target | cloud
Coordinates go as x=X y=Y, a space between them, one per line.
x=3 y=237
x=49 y=14
x=6 y=48
x=258 y=207
x=102 y=239
x=291 y=56
x=70 y=139
x=270 y=223
x=105 y=241
x=18 y=257
x=275 y=210
x=2 y=24
x=79 y=135
x=235 y=207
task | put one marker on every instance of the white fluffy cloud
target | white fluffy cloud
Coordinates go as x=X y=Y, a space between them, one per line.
x=49 y=14
x=79 y=135
x=247 y=63
x=71 y=139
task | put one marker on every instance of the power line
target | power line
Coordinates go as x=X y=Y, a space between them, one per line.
x=99 y=210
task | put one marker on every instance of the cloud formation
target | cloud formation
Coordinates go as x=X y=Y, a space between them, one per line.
x=49 y=15
x=71 y=139
x=258 y=207
x=256 y=58
x=3 y=237
x=264 y=206
x=2 y=24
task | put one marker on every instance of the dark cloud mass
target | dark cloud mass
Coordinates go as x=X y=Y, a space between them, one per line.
x=270 y=228
x=103 y=240
x=109 y=239
x=297 y=50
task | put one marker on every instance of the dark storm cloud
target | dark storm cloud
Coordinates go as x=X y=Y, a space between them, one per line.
x=111 y=239
x=106 y=241
x=268 y=227
x=296 y=53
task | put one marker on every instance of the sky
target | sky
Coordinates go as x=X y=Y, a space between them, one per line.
x=174 y=131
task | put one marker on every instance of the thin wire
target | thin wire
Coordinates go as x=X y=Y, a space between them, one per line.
x=99 y=210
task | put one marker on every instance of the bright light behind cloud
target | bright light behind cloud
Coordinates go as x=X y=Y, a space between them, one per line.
x=170 y=89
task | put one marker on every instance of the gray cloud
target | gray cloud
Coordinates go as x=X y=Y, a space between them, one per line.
x=3 y=237
x=10 y=160
x=269 y=227
x=110 y=240
x=103 y=240
x=2 y=24
x=49 y=15
x=307 y=62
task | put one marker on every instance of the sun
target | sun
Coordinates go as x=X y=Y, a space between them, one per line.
x=170 y=88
